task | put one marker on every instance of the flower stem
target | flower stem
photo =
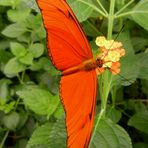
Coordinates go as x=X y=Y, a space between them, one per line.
x=102 y=7
x=111 y=19
x=4 y=139
x=130 y=13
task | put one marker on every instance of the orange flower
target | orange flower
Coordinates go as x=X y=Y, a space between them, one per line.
x=115 y=68
x=99 y=70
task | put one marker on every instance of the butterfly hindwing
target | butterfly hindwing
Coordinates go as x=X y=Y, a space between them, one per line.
x=78 y=93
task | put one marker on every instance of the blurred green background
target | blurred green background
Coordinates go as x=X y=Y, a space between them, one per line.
x=30 y=109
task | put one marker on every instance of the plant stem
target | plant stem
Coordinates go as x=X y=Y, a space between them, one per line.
x=102 y=7
x=4 y=139
x=111 y=19
x=106 y=78
x=129 y=13
x=95 y=128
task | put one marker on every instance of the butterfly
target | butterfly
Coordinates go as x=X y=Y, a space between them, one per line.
x=70 y=53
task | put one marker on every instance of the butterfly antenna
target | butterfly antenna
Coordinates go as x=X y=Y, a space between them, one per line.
x=119 y=32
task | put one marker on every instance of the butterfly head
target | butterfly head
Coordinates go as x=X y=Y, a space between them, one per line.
x=99 y=62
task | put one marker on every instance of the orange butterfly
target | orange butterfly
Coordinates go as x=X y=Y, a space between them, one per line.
x=71 y=54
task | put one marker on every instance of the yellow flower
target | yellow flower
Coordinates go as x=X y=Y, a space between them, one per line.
x=107 y=64
x=109 y=44
x=113 y=56
x=110 y=53
x=100 y=41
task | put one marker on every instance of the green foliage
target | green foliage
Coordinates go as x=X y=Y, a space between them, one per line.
x=30 y=109
x=40 y=101
x=110 y=135
x=140 y=121
x=141 y=18
x=11 y=121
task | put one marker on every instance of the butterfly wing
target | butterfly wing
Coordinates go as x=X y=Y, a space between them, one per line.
x=67 y=44
x=69 y=47
x=78 y=93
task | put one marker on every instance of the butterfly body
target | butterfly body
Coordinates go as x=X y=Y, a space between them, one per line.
x=86 y=65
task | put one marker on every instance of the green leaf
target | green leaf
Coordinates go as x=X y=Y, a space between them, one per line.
x=12 y=3
x=4 y=58
x=6 y=3
x=143 y=64
x=139 y=43
x=140 y=121
x=11 y=121
x=40 y=136
x=141 y=17
x=33 y=21
x=91 y=30
x=14 y=30
x=6 y=108
x=36 y=49
x=40 y=101
x=13 y=67
x=58 y=135
x=18 y=15
x=4 y=88
x=59 y=112
x=43 y=63
x=17 y=49
x=23 y=119
x=114 y=114
x=27 y=59
x=110 y=135
x=78 y=6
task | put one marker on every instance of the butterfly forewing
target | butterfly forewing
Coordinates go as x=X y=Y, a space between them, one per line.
x=67 y=43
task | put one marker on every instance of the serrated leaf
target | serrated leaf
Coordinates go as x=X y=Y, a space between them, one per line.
x=26 y=59
x=36 y=50
x=17 y=49
x=140 y=121
x=110 y=135
x=18 y=15
x=40 y=136
x=13 y=67
x=11 y=121
x=141 y=17
x=40 y=101
x=14 y=30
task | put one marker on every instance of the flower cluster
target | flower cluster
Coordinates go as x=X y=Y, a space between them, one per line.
x=110 y=53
